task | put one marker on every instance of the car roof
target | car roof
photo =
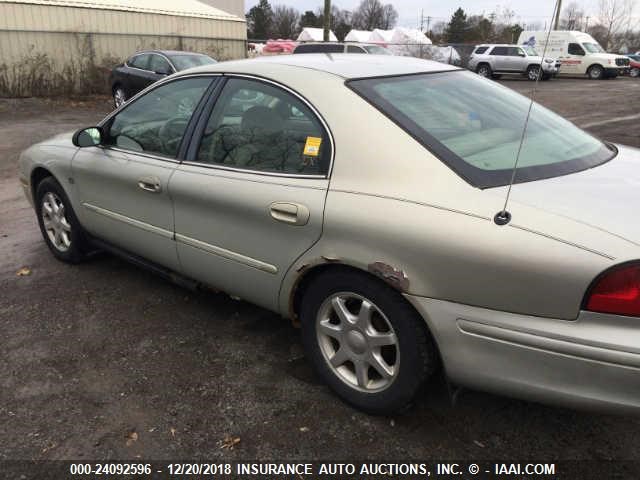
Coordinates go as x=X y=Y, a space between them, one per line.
x=343 y=65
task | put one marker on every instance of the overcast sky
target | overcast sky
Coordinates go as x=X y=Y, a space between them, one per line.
x=441 y=10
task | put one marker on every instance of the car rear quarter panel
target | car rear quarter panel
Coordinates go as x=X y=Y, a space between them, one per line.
x=391 y=201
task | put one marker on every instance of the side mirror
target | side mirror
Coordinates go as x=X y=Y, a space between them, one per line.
x=87 y=137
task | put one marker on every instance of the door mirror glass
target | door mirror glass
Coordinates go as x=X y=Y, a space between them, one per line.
x=87 y=137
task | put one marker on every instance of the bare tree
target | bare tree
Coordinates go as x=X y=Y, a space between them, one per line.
x=615 y=15
x=372 y=14
x=389 y=17
x=285 y=21
x=572 y=17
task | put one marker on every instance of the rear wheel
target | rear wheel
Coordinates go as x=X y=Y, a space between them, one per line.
x=366 y=341
x=595 y=72
x=484 y=70
x=58 y=223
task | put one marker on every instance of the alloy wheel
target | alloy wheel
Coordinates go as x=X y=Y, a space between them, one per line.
x=533 y=73
x=56 y=225
x=119 y=97
x=484 y=71
x=358 y=342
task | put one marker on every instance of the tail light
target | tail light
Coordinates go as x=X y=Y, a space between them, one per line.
x=616 y=291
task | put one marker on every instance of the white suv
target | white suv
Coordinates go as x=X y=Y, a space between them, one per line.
x=495 y=60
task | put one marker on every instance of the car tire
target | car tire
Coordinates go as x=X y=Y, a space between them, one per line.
x=484 y=70
x=533 y=71
x=634 y=72
x=376 y=378
x=596 y=72
x=58 y=223
x=119 y=96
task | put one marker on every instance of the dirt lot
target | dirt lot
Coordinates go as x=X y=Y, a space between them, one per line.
x=93 y=353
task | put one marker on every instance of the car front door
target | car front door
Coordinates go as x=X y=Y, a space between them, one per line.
x=516 y=60
x=250 y=197
x=499 y=59
x=123 y=183
x=573 y=61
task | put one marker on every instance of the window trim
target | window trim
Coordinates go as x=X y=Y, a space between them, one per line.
x=171 y=65
x=196 y=138
x=126 y=62
x=188 y=130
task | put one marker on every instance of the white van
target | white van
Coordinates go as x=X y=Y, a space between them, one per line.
x=579 y=53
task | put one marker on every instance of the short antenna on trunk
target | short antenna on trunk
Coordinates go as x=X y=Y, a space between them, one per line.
x=503 y=216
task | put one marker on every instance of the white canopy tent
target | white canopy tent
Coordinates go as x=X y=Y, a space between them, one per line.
x=309 y=34
x=358 y=36
x=381 y=35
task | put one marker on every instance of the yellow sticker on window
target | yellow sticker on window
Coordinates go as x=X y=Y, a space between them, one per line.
x=312 y=146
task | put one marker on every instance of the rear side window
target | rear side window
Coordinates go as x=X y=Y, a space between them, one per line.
x=475 y=127
x=481 y=50
x=259 y=127
x=140 y=61
x=499 y=51
x=355 y=49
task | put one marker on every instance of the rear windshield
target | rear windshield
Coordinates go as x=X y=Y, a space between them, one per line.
x=182 y=62
x=475 y=125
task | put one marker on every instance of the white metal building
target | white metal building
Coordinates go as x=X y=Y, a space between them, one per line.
x=61 y=46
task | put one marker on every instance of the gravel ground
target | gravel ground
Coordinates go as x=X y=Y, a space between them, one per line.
x=104 y=360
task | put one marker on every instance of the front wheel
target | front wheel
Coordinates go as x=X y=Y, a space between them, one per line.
x=119 y=97
x=595 y=72
x=634 y=72
x=533 y=72
x=366 y=341
x=58 y=223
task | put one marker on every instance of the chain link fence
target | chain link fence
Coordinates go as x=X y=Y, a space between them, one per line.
x=451 y=53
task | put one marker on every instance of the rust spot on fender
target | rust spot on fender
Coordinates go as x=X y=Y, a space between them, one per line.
x=393 y=276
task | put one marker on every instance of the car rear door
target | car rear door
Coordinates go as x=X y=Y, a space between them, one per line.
x=139 y=73
x=123 y=183
x=249 y=199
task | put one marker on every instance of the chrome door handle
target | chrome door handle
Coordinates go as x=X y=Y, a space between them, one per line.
x=150 y=184
x=291 y=213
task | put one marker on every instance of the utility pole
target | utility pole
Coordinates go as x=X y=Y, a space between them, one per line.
x=557 y=20
x=586 y=25
x=327 y=20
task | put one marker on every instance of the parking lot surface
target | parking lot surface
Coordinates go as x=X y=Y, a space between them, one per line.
x=104 y=360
